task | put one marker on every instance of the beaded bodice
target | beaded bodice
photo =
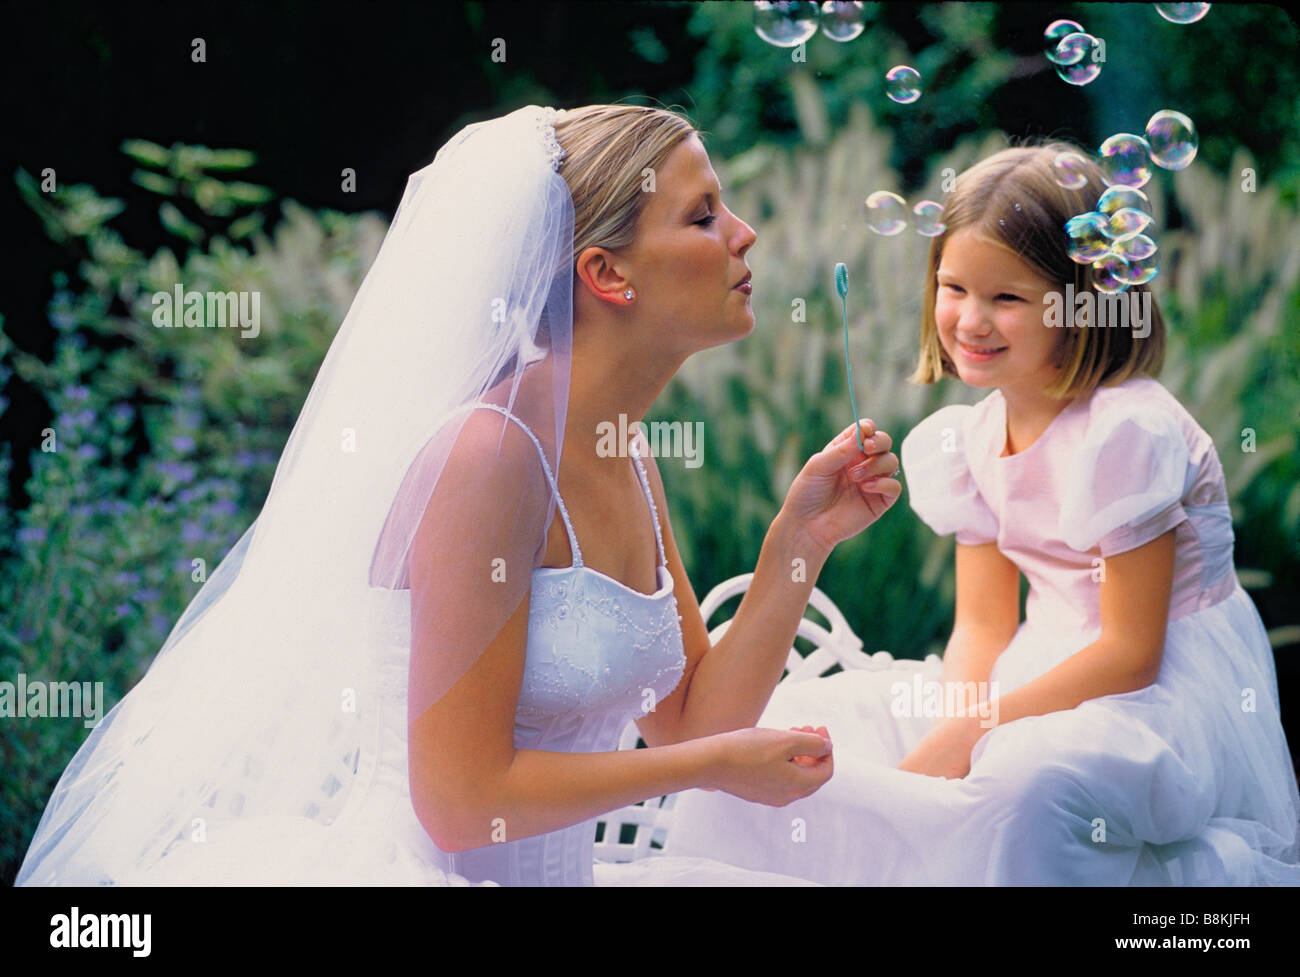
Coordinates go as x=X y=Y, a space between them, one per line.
x=599 y=654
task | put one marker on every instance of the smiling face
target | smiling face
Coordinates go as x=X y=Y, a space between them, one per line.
x=689 y=255
x=989 y=316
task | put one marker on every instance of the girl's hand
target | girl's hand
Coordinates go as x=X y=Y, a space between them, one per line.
x=840 y=491
x=945 y=750
x=756 y=764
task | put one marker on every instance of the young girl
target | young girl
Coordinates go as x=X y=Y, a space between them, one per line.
x=1127 y=731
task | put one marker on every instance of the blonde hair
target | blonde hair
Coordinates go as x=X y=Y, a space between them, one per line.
x=1012 y=198
x=609 y=148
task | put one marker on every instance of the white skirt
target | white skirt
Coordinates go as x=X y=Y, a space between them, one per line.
x=1188 y=781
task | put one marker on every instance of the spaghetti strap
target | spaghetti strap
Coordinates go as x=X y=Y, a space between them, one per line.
x=564 y=512
x=654 y=511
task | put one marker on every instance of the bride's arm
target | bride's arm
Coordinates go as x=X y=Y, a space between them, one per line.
x=727 y=685
x=471 y=787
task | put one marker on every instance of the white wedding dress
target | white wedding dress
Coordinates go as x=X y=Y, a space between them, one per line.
x=594 y=646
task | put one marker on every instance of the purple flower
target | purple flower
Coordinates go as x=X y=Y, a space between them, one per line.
x=180 y=472
x=123 y=413
x=88 y=451
x=126 y=578
x=122 y=610
x=192 y=533
x=183 y=443
x=32 y=534
x=145 y=596
x=86 y=416
x=224 y=508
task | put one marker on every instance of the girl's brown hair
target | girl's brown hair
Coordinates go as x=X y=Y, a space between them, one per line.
x=1013 y=199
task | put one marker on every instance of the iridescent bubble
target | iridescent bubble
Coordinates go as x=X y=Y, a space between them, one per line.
x=785 y=23
x=1074 y=48
x=1086 y=68
x=903 y=84
x=886 y=213
x=1056 y=30
x=1069 y=170
x=1117 y=198
x=1108 y=274
x=842 y=21
x=1088 y=240
x=1139 y=271
x=1182 y=13
x=1135 y=248
x=927 y=218
x=1172 y=138
x=1125 y=160
x=1126 y=222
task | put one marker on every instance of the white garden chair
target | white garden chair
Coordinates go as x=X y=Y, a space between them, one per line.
x=641 y=829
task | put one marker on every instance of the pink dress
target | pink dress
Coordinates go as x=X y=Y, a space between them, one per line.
x=1187 y=781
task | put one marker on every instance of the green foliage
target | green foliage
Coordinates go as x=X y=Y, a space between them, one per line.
x=163 y=441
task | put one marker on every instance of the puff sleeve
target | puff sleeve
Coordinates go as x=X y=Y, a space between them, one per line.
x=1126 y=484
x=940 y=486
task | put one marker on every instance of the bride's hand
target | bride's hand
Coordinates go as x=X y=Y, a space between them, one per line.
x=762 y=765
x=830 y=501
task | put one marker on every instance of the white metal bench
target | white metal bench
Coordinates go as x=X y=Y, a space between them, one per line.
x=641 y=829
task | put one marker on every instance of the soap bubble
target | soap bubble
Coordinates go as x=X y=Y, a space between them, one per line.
x=1126 y=222
x=1182 y=13
x=1139 y=271
x=1108 y=274
x=1135 y=248
x=927 y=218
x=903 y=84
x=1172 y=138
x=1125 y=160
x=1117 y=198
x=1088 y=240
x=842 y=21
x=1056 y=30
x=1085 y=68
x=1074 y=48
x=787 y=23
x=1069 y=170
x=886 y=213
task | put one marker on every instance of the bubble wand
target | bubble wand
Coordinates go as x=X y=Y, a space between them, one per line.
x=842 y=286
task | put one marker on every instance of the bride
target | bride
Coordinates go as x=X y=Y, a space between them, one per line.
x=415 y=665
